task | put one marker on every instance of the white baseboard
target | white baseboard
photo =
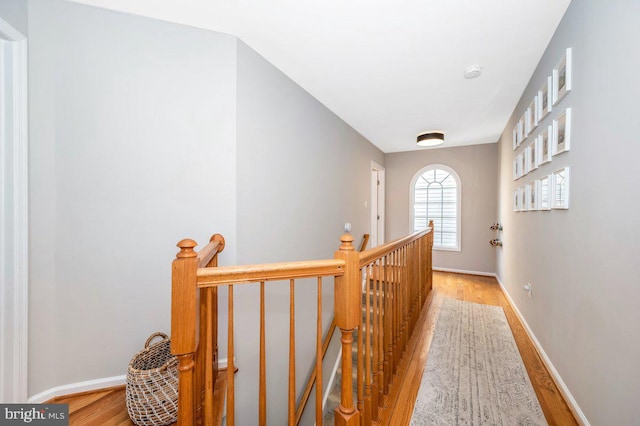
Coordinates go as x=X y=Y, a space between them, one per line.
x=573 y=405
x=90 y=385
x=462 y=271
x=72 y=388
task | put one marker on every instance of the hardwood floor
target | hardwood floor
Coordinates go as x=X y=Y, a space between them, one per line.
x=485 y=290
x=108 y=407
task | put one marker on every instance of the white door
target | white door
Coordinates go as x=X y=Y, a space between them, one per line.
x=377 y=205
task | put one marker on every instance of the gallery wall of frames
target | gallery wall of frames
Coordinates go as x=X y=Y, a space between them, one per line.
x=537 y=140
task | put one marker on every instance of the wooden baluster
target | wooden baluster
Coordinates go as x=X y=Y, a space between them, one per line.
x=207 y=343
x=405 y=299
x=183 y=327
x=380 y=333
x=375 y=330
x=387 y=333
x=262 y=396
x=347 y=297
x=292 y=355
x=319 y=356
x=360 y=367
x=396 y=310
x=368 y=329
x=230 y=363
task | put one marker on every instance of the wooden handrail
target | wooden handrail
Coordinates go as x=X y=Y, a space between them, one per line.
x=206 y=255
x=363 y=244
x=378 y=252
x=312 y=380
x=225 y=275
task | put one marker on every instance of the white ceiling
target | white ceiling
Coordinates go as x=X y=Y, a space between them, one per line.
x=391 y=69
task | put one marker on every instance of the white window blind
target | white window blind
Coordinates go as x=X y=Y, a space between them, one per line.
x=435 y=197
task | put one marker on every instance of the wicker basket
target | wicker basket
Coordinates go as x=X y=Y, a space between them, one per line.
x=152 y=384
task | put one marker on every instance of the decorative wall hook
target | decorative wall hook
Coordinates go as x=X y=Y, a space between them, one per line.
x=496 y=227
x=496 y=242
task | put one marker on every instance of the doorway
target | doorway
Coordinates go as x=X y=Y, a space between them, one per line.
x=377 y=204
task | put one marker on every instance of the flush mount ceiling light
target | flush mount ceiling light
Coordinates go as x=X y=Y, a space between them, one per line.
x=472 y=71
x=431 y=138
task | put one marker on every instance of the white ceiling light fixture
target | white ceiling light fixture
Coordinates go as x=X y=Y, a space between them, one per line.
x=433 y=138
x=472 y=71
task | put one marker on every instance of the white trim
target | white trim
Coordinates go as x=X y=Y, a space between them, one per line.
x=564 y=390
x=463 y=271
x=17 y=249
x=72 y=388
x=412 y=194
x=90 y=385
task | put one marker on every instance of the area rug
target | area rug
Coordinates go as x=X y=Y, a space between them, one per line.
x=474 y=373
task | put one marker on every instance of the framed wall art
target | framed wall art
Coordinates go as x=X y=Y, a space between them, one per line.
x=532 y=195
x=522 y=198
x=516 y=198
x=543 y=150
x=562 y=133
x=562 y=77
x=533 y=156
x=560 y=192
x=532 y=115
x=544 y=198
x=544 y=98
x=523 y=123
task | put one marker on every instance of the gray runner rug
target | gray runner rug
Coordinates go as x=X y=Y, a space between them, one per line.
x=474 y=373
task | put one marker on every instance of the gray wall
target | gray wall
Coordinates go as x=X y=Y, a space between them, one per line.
x=476 y=166
x=583 y=262
x=302 y=173
x=143 y=133
x=132 y=148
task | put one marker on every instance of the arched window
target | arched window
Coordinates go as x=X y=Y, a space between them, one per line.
x=435 y=195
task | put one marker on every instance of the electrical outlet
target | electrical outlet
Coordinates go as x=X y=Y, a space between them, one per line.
x=527 y=288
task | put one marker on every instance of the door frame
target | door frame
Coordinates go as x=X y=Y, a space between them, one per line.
x=377 y=204
x=14 y=232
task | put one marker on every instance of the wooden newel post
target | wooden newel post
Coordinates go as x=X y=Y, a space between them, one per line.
x=347 y=315
x=183 y=326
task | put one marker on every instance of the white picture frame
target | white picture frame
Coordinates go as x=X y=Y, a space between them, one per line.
x=520 y=161
x=545 y=146
x=532 y=195
x=516 y=198
x=545 y=99
x=544 y=193
x=562 y=77
x=532 y=156
x=516 y=172
x=523 y=125
x=532 y=115
x=560 y=191
x=522 y=198
x=515 y=137
x=562 y=132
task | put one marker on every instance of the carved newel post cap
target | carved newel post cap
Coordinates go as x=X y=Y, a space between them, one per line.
x=347 y=241
x=186 y=248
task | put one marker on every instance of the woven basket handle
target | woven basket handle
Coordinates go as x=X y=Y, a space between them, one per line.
x=153 y=336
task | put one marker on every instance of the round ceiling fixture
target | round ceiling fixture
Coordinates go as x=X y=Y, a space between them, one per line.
x=472 y=71
x=432 y=138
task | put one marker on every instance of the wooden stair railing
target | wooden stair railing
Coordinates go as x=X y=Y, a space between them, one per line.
x=325 y=345
x=400 y=273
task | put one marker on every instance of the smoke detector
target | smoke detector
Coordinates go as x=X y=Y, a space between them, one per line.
x=472 y=71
